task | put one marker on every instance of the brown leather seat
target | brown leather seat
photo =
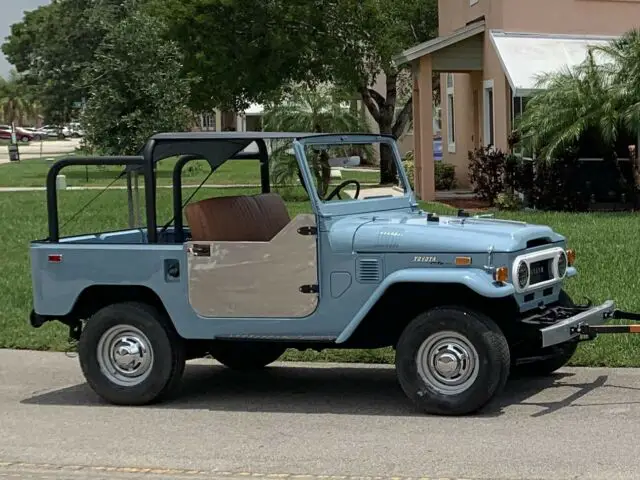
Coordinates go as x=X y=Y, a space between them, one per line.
x=241 y=218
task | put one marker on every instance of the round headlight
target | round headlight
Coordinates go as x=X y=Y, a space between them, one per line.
x=562 y=264
x=523 y=274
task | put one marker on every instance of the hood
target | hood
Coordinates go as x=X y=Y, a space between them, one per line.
x=414 y=233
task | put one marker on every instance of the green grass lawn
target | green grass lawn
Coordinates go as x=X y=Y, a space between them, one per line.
x=607 y=246
x=33 y=173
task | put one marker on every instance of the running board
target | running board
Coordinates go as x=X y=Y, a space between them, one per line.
x=274 y=338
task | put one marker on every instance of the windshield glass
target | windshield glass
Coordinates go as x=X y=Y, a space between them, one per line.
x=352 y=171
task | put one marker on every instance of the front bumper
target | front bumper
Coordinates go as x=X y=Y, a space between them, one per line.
x=570 y=328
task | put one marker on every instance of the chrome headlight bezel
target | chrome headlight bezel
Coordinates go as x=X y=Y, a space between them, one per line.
x=560 y=270
x=523 y=275
x=552 y=255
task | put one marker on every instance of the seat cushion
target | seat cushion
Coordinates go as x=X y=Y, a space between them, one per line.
x=241 y=218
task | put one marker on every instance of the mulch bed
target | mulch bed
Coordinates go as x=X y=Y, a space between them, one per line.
x=466 y=203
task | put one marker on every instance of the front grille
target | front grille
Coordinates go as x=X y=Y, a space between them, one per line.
x=541 y=271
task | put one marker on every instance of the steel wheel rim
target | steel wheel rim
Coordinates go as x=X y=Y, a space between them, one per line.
x=448 y=362
x=125 y=355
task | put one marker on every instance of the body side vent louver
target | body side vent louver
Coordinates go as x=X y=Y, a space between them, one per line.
x=369 y=270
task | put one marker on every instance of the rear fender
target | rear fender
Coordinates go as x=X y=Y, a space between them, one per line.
x=476 y=280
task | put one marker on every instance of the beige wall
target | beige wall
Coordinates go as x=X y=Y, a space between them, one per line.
x=468 y=87
x=590 y=17
x=454 y=14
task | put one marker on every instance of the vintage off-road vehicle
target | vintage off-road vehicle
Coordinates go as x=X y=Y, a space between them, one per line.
x=464 y=300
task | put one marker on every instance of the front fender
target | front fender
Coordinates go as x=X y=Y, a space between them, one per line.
x=477 y=280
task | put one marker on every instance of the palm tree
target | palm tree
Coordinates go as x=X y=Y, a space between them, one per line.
x=324 y=109
x=624 y=68
x=16 y=104
x=569 y=104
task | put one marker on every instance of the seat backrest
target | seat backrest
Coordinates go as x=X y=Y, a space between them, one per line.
x=255 y=218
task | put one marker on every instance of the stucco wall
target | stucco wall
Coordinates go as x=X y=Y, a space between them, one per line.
x=590 y=17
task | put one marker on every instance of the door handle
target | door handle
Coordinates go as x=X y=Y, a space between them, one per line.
x=200 y=250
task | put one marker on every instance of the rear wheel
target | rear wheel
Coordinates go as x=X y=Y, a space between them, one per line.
x=452 y=361
x=246 y=355
x=129 y=355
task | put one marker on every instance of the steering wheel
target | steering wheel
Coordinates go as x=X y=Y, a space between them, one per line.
x=336 y=191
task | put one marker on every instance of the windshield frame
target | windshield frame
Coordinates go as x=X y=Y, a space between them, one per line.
x=404 y=201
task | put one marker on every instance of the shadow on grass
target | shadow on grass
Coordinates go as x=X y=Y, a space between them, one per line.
x=342 y=390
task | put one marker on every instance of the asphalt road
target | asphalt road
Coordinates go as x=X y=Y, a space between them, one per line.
x=44 y=149
x=315 y=422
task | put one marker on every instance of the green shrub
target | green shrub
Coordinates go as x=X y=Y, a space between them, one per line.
x=487 y=171
x=508 y=201
x=409 y=166
x=445 y=176
x=445 y=173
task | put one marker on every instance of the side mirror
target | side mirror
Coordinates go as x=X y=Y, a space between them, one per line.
x=352 y=161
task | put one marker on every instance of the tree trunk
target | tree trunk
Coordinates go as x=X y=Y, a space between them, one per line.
x=388 y=169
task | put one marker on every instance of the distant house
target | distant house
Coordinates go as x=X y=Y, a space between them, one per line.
x=488 y=54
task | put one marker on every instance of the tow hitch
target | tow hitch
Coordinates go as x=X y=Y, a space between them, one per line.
x=591 y=331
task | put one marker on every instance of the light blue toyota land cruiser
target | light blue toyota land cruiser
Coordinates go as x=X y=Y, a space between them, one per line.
x=464 y=300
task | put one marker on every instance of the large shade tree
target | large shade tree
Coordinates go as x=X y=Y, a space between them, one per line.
x=54 y=44
x=242 y=52
x=136 y=87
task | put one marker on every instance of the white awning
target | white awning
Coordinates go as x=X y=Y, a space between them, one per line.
x=524 y=56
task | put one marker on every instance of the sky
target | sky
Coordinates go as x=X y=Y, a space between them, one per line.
x=11 y=11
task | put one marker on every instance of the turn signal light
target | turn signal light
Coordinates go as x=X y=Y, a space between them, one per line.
x=501 y=274
x=571 y=256
x=463 y=260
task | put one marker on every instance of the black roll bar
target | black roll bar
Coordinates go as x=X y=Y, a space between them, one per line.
x=177 y=195
x=54 y=170
x=150 y=191
x=264 y=166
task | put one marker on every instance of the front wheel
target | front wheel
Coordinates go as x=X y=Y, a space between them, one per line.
x=452 y=361
x=130 y=356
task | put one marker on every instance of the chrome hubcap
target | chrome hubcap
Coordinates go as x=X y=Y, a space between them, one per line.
x=125 y=355
x=448 y=362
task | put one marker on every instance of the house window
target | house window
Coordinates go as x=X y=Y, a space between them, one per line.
x=519 y=105
x=488 y=108
x=208 y=122
x=451 y=123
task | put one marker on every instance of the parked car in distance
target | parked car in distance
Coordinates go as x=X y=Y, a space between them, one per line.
x=22 y=134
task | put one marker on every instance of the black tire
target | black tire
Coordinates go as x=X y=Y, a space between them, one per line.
x=246 y=355
x=480 y=332
x=555 y=357
x=559 y=356
x=167 y=362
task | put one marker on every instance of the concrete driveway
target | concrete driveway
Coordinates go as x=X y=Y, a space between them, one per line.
x=313 y=422
x=45 y=149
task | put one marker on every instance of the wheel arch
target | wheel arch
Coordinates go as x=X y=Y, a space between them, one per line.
x=393 y=305
x=95 y=297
